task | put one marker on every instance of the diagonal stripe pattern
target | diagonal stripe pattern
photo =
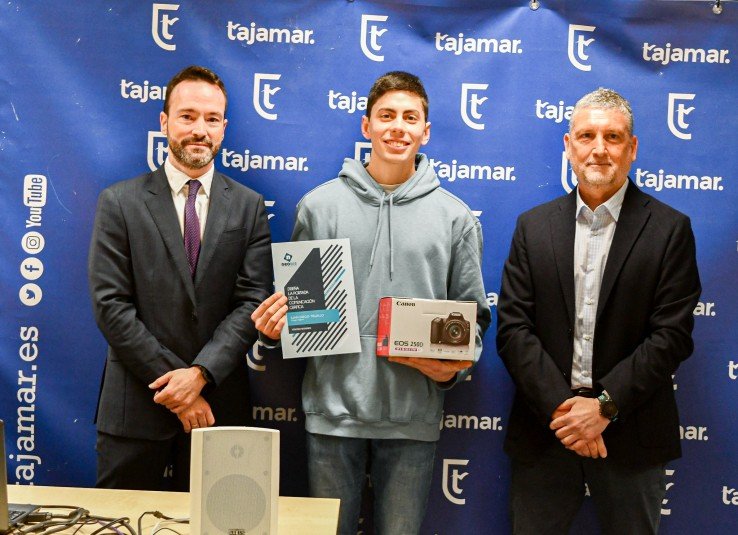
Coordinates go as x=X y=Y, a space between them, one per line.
x=331 y=265
x=192 y=227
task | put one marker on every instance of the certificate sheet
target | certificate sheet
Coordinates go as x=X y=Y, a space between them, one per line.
x=318 y=279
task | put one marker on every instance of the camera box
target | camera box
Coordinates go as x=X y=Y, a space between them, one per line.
x=408 y=327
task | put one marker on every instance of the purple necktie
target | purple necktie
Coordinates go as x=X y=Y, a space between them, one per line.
x=192 y=227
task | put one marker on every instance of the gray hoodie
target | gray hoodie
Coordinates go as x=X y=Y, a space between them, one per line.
x=419 y=241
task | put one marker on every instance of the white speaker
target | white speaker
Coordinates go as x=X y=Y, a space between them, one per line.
x=234 y=481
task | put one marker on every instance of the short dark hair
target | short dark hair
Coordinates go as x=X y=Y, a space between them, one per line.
x=397 y=81
x=194 y=72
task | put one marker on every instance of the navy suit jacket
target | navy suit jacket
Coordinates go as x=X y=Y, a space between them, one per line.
x=643 y=325
x=156 y=318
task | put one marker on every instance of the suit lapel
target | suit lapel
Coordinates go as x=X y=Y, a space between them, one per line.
x=563 y=227
x=633 y=217
x=161 y=208
x=220 y=200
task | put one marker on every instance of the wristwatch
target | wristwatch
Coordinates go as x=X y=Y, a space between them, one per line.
x=608 y=409
x=205 y=374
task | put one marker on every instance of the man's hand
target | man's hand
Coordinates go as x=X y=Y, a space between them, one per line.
x=270 y=316
x=178 y=389
x=559 y=411
x=196 y=415
x=440 y=371
x=594 y=449
x=579 y=426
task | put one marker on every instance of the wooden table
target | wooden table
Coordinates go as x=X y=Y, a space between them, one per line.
x=297 y=516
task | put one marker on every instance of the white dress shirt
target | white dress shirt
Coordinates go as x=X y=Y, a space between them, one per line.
x=180 y=189
x=594 y=233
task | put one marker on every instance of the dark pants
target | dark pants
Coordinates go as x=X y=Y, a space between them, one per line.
x=547 y=494
x=132 y=463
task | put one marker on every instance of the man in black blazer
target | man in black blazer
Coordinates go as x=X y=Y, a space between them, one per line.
x=594 y=317
x=179 y=260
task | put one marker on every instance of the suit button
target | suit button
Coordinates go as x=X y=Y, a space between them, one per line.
x=194 y=317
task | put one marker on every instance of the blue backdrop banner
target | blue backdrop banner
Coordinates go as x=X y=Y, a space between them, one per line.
x=81 y=88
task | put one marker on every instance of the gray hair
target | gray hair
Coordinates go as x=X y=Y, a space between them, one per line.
x=607 y=99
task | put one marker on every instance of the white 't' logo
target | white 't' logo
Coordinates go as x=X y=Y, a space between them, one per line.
x=369 y=34
x=362 y=151
x=269 y=204
x=156 y=149
x=470 y=100
x=255 y=359
x=733 y=370
x=568 y=179
x=452 y=474
x=263 y=93
x=678 y=112
x=160 y=28
x=665 y=511
x=577 y=44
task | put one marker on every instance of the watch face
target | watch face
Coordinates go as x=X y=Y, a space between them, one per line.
x=608 y=408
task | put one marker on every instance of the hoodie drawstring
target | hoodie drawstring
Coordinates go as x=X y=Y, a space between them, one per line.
x=376 y=233
x=389 y=229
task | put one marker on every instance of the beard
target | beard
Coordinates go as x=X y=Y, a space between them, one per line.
x=595 y=177
x=191 y=160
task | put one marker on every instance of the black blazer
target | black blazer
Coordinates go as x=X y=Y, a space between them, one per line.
x=642 y=332
x=156 y=319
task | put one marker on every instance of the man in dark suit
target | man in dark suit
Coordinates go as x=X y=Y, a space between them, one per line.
x=179 y=260
x=594 y=317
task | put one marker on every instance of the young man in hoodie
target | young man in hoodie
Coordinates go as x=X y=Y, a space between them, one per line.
x=409 y=237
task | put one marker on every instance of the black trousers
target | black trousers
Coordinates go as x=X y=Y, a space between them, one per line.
x=547 y=494
x=139 y=464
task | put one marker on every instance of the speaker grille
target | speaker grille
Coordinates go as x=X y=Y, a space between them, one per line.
x=236 y=502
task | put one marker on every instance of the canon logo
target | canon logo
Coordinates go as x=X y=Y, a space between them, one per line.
x=404 y=303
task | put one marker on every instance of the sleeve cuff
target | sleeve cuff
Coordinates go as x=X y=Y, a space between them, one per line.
x=269 y=343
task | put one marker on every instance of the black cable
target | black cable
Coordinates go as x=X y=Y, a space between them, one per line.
x=37 y=516
x=54 y=524
x=50 y=522
x=157 y=514
x=80 y=525
x=123 y=521
x=167 y=529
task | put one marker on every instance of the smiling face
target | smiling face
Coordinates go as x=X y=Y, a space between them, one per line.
x=600 y=149
x=397 y=129
x=194 y=125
